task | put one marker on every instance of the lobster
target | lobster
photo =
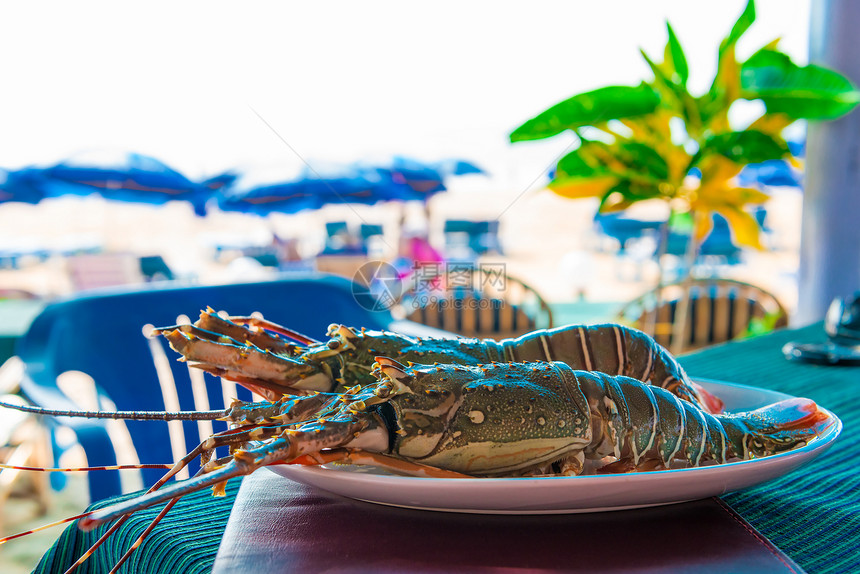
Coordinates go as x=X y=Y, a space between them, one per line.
x=496 y=420
x=243 y=349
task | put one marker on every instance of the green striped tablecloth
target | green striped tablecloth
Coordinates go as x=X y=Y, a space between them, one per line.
x=811 y=514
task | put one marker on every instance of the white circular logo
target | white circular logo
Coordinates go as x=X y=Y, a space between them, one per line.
x=376 y=286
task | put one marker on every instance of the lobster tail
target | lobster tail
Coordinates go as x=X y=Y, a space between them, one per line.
x=775 y=428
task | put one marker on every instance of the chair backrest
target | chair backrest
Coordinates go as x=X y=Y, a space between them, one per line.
x=719 y=310
x=368 y=230
x=333 y=228
x=155 y=268
x=476 y=237
x=624 y=229
x=102 y=336
x=474 y=302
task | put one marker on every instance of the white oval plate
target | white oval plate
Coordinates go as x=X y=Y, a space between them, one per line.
x=561 y=495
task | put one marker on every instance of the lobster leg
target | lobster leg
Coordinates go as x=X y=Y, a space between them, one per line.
x=261 y=323
x=287 y=410
x=243 y=462
x=348 y=428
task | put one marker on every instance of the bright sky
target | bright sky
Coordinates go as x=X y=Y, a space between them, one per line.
x=188 y=82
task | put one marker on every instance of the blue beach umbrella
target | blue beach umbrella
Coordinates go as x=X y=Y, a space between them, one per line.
x=361 y=183
x=306 y=191
x=25 y=185
x=220 y=181
x=414 y=179
x=130 y=177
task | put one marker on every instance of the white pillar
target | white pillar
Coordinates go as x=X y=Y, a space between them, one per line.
x=830 y=232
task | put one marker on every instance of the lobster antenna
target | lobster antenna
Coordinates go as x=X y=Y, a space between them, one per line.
x=6 y=539
x=87 y=468
x=134 y=415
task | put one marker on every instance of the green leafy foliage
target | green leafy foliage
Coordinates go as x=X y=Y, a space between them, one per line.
x=809 y=92
x=646 y=159
x=743 y=147
x=588 y=109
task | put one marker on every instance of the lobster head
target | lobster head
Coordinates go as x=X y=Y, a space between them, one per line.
x=481 y=420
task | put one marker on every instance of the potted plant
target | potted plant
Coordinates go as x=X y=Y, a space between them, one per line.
x=659 y=141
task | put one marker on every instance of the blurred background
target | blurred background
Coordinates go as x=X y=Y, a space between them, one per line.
x=208 y=89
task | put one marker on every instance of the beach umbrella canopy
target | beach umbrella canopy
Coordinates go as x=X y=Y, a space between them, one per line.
x=127 y=177
x=361 y=183
x=25 y=185
x=298 y=193
x=221 y=180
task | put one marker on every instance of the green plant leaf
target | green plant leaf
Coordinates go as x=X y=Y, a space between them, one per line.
x=589 y=108
x=614 y=201
x=575 y=164
x=624 y=194
x=674 y=96
x=743 y=147
x=743 y=23
x=626 y=160
x=642 y=158
x=809 y=92
x=761 y=325
x=664 y=85
x=724 y=89
x=675 y=56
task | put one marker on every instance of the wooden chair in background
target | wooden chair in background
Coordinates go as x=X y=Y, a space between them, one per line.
x=475 y=302
x=719 y=310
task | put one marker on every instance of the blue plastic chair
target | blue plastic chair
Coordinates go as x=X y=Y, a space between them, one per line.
x=479 y=237
x=624 y=229
x=101 y=334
